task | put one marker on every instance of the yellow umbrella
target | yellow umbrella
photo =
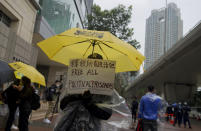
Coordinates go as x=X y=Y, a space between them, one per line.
x=80 y=43
x=22 y=69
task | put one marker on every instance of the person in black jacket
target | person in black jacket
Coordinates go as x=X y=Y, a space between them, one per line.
x=134 y=109
x=24 y=101
x=178 y=113
x=50 y=95
x=186 y=110
x=11 y=95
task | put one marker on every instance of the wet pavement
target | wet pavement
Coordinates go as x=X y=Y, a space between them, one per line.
x=196 y=126
x=116 y=123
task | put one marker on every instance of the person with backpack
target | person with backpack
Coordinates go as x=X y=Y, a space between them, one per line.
x=10 y=97
x=25 y=102
x=50 y=96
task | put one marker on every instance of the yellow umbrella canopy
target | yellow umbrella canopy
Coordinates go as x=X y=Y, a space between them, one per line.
x=80 y=43
x=22 y=69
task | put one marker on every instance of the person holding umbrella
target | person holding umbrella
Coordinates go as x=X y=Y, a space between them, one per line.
x=83 y=44
x=24 y=102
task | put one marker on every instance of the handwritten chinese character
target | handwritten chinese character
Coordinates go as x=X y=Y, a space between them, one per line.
x=89 y=63
x=82 y=63
x=111 y=65
x=105 y=65
x=74 y=63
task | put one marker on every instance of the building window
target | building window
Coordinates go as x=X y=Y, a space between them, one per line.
x=5 y=19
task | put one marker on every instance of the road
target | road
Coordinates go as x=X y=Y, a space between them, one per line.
x=118 y=122
x=38 y=125
x=196 y=126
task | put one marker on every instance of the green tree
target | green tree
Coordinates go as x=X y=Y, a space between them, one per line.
x=115 y=21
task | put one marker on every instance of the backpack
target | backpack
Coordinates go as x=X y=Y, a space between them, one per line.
x=35 y=102
x=48 y=94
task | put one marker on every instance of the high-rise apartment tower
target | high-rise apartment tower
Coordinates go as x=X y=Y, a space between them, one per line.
x=155 y=32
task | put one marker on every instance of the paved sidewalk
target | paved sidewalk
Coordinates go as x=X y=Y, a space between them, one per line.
x=196 y=126
x=36 y=123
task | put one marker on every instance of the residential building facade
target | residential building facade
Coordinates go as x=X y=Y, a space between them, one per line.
x=155 y=32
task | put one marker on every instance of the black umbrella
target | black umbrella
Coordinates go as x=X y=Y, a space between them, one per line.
x=6 y=72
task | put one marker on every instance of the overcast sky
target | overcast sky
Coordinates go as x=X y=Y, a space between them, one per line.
x=190 y=13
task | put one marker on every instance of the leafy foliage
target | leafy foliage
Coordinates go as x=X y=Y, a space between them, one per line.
x=115 y=21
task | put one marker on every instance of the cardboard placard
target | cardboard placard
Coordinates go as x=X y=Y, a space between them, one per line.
x=91 y=74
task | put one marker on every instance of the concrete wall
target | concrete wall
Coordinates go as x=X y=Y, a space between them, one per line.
x=4 y=33
x=23 y=15
x=55 y=73
x=178 y=92
x=14 y=48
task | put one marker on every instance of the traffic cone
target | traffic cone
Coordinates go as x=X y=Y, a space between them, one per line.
x=171 y=118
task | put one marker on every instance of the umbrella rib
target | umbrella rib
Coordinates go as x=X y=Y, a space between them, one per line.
x=102 y=51
x=81 y=37
x=69 y=45
x=76 y=43
x=86 y=50
x=113 y=48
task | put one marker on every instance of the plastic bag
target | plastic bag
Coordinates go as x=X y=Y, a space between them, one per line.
x=162 y=113
x=120 y=119
x=76 y=117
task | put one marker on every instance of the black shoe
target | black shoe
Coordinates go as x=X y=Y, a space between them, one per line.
x=190 y=127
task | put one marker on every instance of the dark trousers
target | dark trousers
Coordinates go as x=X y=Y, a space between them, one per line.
x=24 y=112
x=149 y=125
x=186 y=119
x=134 y=116
x=178 y=119
x=11 y=117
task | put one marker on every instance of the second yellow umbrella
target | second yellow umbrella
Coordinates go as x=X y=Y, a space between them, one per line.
x=22 y=69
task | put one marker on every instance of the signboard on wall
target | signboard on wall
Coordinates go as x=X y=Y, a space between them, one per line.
x=90 y=74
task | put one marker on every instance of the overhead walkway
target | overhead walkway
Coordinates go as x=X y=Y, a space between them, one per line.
x=177 y=73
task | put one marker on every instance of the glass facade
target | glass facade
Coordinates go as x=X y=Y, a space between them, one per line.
x=60 y=14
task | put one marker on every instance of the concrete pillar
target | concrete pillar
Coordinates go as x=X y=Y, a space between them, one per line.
x=178 y=92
